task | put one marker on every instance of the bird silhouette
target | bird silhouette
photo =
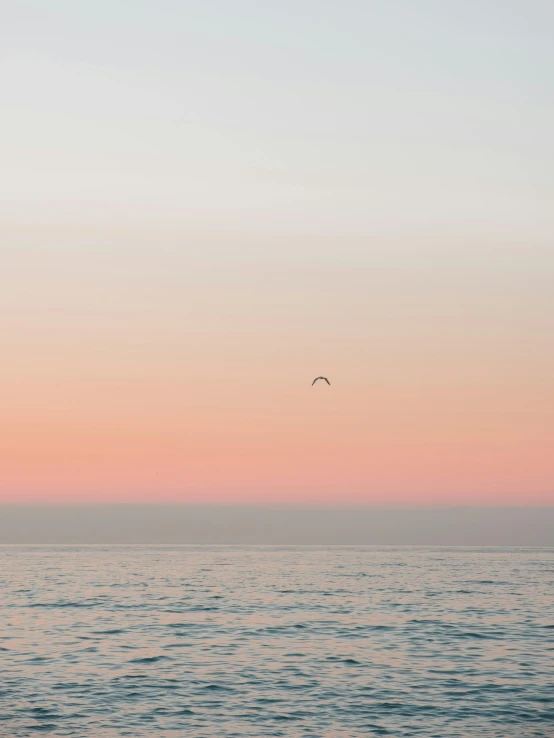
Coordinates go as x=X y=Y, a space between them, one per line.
x=325 y=378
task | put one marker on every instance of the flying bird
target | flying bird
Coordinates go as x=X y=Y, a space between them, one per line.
x=325 y=378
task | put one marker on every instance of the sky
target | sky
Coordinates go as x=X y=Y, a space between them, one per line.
x=275 y=525
x=203 y=206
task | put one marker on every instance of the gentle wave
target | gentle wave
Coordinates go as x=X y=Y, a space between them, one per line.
x=268 y=641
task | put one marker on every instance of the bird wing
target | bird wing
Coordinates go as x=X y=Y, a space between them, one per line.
x=325 y=378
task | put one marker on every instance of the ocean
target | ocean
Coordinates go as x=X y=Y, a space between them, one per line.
x=181 y=641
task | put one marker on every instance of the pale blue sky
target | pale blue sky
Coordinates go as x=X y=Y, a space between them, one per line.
x=369 y=117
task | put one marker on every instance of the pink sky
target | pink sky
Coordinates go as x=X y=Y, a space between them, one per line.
x=203 y=207
x=164 y=378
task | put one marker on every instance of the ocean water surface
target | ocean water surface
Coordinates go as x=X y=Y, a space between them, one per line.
x=327 y=642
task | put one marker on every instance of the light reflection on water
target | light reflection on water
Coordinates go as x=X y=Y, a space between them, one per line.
x=270 y=641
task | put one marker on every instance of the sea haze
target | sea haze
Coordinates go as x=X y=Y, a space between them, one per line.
x=276 y=524
x=258 y=641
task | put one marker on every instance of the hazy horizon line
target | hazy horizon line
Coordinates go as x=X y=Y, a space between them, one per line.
x=275 y=524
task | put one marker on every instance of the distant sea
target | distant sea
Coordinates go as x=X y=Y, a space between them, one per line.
x=225 y=641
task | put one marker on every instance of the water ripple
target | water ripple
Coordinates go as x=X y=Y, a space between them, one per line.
x=267 y=641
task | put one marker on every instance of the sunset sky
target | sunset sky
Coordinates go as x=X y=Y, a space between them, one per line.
x=203 y=206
